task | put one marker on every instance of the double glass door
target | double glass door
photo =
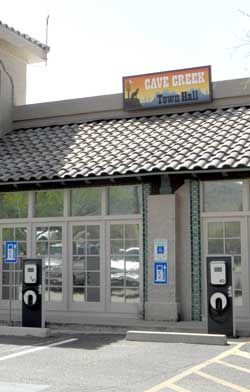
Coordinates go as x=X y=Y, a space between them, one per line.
x=229 y=237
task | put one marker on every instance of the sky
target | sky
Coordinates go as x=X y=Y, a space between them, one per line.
x=94 y=43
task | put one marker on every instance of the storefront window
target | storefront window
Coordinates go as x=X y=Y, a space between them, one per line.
x=124 y=262
x=14 y=205
x=124 y=200
x=223 y=196
x=49 y=203
x=86 y=201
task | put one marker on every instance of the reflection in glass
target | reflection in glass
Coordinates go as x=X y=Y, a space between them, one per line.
x=215 y=230
x=132 y=232
x=55 y=233
x=79 y=248
x=132 y=279
x=79 y=233
x=55 y=278
x=78 y=262
x=93 y=278
x=42 y=248
x=49 y=203
x=117 y=294
x=55 y=293
x=132 y=295
x=237 y=263
x=232 y=229
x=93 y=232
x=8 y=234
x=223 y=196
x=21 y=233
x=117 y=247
x=6 y=278
x=131 y=247
x=93 y=248
x=117 y=231
x=79 y=278
x=93 y=294
x=93 y=263
x=22 y=248
x=42 y=233
x=14 y=205
x=86 y=201
x=78 y=294
x=232 y=246
x=5 y=292
x=55 y=249
x=215 y=246
x=124 y=200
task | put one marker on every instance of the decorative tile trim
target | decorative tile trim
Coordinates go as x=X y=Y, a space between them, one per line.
x=146 y=188
x=195 y=249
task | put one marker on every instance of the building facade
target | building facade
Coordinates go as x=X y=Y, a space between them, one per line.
x=92 y=189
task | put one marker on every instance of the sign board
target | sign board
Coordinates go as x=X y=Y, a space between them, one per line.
x=160 y=250
x=11 y=251
x=169 y=88
x=160 y=272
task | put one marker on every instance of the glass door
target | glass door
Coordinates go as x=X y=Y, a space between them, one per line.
x=227 y=237
x=87 y=280
x=11 y=274
x=49 y=245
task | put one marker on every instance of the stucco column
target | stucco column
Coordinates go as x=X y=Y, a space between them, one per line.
x=161 y=299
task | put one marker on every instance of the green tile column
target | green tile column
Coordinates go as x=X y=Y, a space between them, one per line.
x=145 y=194
x=195 y=249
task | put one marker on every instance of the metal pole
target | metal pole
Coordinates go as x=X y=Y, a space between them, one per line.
x=10 y=296
x=233 y=298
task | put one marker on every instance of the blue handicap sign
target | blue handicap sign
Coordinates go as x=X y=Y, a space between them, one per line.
x=161 y=272
x=160 y=249
x=11 y=251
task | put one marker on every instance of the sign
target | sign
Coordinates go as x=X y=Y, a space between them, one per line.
x=160 y=272
x=160 y=250
x=11 y=251
x=170 y=88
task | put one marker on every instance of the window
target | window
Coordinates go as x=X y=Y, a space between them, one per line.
x=124 y=262
x=49 y=203
x=224 y=238
x=86 y=201
x=124 y=200
x=223 y=196
x=86 y=263
x=49 y=246
x=14 y=205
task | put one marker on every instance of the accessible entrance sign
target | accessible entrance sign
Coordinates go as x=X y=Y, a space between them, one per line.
x=11 y=251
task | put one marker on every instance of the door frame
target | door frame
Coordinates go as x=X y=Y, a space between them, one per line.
x=240 y=311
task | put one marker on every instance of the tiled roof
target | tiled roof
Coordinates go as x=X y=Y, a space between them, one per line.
x=25 y=36
x=191 y=141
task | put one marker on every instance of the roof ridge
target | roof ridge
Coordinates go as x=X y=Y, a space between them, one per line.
x=25 y=36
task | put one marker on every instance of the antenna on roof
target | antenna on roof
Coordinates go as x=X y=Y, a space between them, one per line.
x=47 y=32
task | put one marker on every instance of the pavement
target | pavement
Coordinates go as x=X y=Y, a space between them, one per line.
x=94 y=363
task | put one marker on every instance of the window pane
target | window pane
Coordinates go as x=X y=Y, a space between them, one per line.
x=117 y=247
x=79 y=278
x=55 y=293
x=232 y=229
x=78 y=294
x=86 y=201
x=49 y=203
x=132 y=295
x=223 y=196
x=55 y=249
x=124 y=200
x=78 y=262
x=117 y=294
x=21 y=234
x=233 y=246
x=237 y=263
x=55 y=233
x=93 y=232
x=93 y=263
x=116 y=232
x=42 y=233
x=93 y=294
x=215 y=230
x=215 y=246
x=8 y=234
x=132 y=232
x=14 y=205
x=41 y=248
x=93 y=248
x=93 y=278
